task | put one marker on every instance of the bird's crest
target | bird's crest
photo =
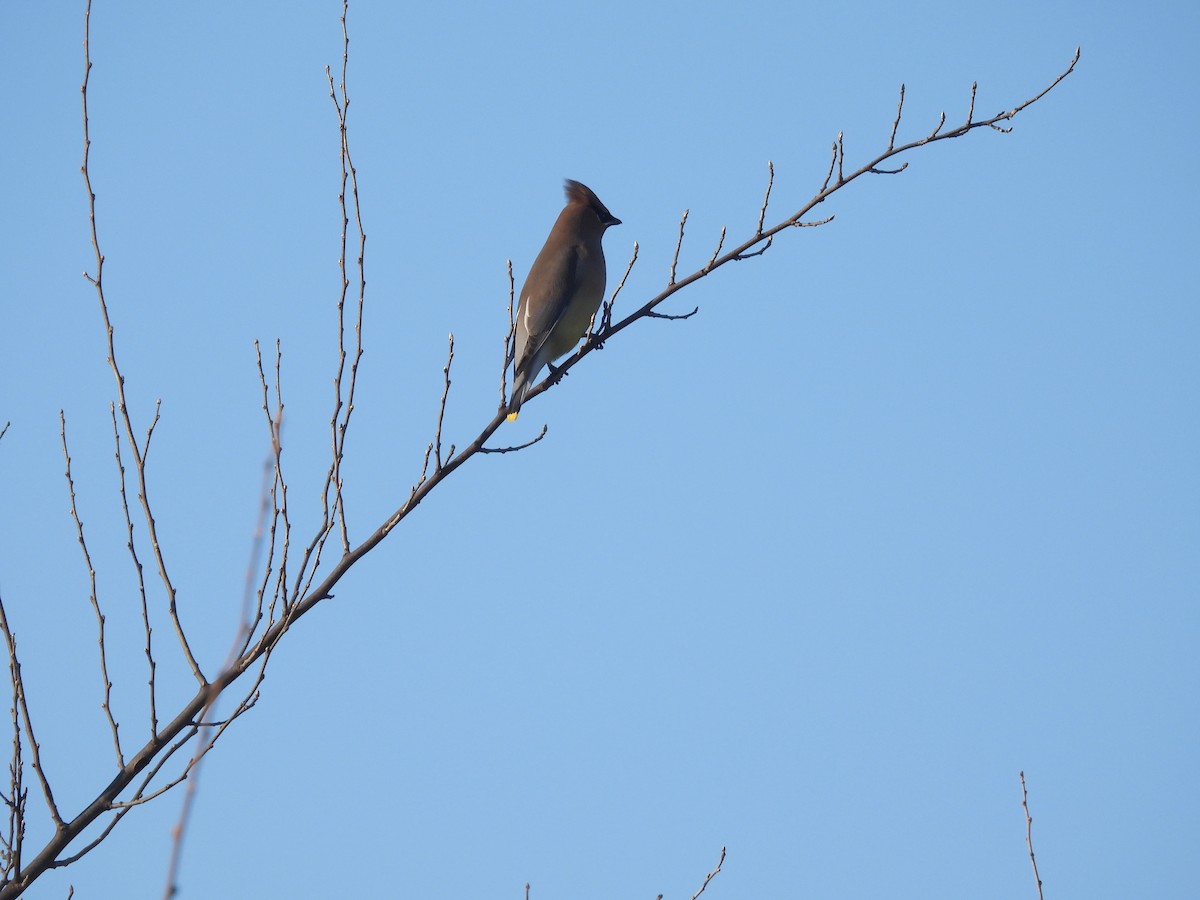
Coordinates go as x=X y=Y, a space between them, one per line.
x=580 y=193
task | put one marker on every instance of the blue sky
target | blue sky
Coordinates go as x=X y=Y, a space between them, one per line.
x=908 y=507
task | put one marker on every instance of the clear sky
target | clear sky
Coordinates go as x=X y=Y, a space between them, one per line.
x=910 y=506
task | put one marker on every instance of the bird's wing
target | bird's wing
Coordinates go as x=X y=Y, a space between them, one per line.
x=556 y=285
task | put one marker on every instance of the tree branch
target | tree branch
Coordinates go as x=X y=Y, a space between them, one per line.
x=139 y=453
x=310 y=586
x=87 y=559
x=1029 y=822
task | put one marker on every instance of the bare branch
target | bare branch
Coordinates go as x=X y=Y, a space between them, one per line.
x=607 y=308
x=1051 y=86
x=424 y=467
x=17 y=793
x=139 y=454
x=437 y=438
x=749 y=255
x=721 y=243
x=711 y=875
x=816 y=224
x=760 y=242
x=941 y=122
x=628 y=268
x=334 y=507
x=896 y=121
x=1025 y=793
x=138 y=570
x=279 y=496
x=509 y=341
x=342 y=409
x=828 y=175
x=678 y=245
x=339 y=424
x=310 y=586
x=518 y=446
x=87 y=560
x=34 y=748
x=120 y=809
x=673 y=317
x=762 y=212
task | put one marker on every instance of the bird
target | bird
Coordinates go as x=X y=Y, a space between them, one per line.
x=562 y=291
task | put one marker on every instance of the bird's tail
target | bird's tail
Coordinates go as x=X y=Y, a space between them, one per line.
x=520 y=388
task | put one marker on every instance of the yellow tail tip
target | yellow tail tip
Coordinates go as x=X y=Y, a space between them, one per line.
x=512 y=416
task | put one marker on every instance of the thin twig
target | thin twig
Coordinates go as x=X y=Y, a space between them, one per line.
x=672 y=317
x=678 y=245
x=343 y=407
x=1029 y=826
x=828 y=175
x=762 y=212
x=87 y=560
x=628 y=268
x=1051 y=86
x=510 y=339
x=17 y=793
x=424 y=467
x=607 y=308
x=896 y=121
x=816 y=223
x=131 y=545
x=941 y=122
x=361 y=261
x=334 y=508
x=518 y=446
x=711 y=875
x=277 y=496
x=35 y=758
x=139 y=453
x=442 y=409
x=749 y=254
x=721 y=243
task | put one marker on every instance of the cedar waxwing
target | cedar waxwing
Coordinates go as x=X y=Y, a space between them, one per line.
x=563 y=290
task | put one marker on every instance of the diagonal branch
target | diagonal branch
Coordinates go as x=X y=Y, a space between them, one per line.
x=309 y=590
x=761 y=239
x=711 y=875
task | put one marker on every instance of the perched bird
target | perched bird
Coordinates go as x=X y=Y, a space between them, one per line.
x=563 y=290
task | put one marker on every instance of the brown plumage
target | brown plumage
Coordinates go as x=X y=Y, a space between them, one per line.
x=563 y=290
